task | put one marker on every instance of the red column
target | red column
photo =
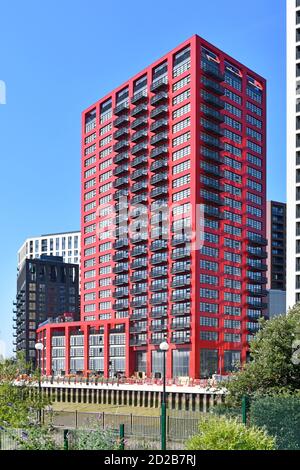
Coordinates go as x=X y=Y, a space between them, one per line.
x=86 y=349
x=67 y=349
x=129 y=366
x=48 y=351
x=106 y=350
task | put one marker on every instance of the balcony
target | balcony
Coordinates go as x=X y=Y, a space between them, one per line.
x=120 y=169
x=212 y=169
x=211 y=127
x=139 y=173
x=181 y=267
x=158 y=245
x=180 y=240
x=159 y=258
x=139 y=276
x=257 y=266
x=139 y=263
x=121 y=255
x=254 y=315
x=119 y=293
x=138 y=315
x=180 y=253
x=139 y=97
x=213 y=86
x=256 y=253
x=124 y=119
x=140 y=109
x=158 y=125
x=180 y=340
x=160 y=97
x=159 y=138
x=121 y=243
x=158 y=272
x=212 y=113
x=120 y=268
x=158 y=178
x=139 y=186
x=122 y=144
x=120 y=280
x=121 y=157
x=121 y=305
x=138 y=211
x=161 y=83
x=212 y=197
x=139 y=302
x=158 y=286
x=139 y=250
x=211 y=155
x=159 y=191
x=260 y=305
x=158 y=299
x=157 y=341
x=211 y=141
x=161 y=110
x=260 y=293
x=142 y=121
x=123 y=132
x=159 y=151
x=157 y=165
x=139 y=289
x=138 y=198
x=158 y=312
x=141 y=159
x=139 y=148
x=121 y=107
x=213 y=212
x=181 y=309
x=257 y=240
x=181 y=281
x=123 y=180
x=212 y=70
x=212 y=99
x=160 y=327
x=212 y=183
x=138 y=342
x=180 y=325
x=139 y=135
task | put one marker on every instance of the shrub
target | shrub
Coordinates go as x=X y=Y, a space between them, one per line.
x=97 y=439
x=220 y=433
x=280 y=415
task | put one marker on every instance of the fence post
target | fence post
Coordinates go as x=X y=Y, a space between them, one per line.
x=103 y=418
x=76 y=419
x=66 y=440
x=122 y=436
x=245 y=407
x=131 y=423
x=168 y=426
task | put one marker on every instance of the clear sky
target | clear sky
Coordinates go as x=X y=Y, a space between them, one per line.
x=58 y=57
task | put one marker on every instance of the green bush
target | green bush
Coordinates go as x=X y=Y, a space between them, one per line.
x=220 y=433
x=98 y=439
x=280 y=415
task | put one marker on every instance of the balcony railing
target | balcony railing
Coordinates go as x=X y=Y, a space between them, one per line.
x=140 y=109
x=211 y=127
x=139 y=148
x=212 y=85
x=121 y=157
x=142 y=121
x=159 y=111
x=123 y=180
x=138 y=97
x=159 y=98
x=139 y=173
x=120 y=169
x=159 y=191
x=211 y=155
x=159 y=84
x=121 y=120
x=121 y=145
x=158 y=178
x=181 y=267
x=139 y=250
x=159 y=138
x=212 y=70
x=179 y=253
x=159 y=164
x=212 y=113
x=139 y=186
x=158 y=272
x=212 y=99
x=159 y=245
x=139 y=135
x=121 y=107
x=157 y=152
x=139 y=160
x=124 y=131
x=158 y=125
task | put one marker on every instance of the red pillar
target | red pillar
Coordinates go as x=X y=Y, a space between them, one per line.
x=106 y=350
x=67 y=349
x=86 y=349
x=48 y=351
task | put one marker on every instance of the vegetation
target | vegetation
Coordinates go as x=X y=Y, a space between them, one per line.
x=96 y=439
x=220 y=433
x=275 y=361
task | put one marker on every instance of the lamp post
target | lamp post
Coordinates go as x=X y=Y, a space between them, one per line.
x=164 y=347
x=39 y=348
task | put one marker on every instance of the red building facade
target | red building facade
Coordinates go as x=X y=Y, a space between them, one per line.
x=173 y=221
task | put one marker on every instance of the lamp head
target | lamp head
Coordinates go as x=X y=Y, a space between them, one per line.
x=164 y=346
x=39 y=346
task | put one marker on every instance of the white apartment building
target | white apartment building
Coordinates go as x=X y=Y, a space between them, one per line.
x=293 y=152
x=66 y=245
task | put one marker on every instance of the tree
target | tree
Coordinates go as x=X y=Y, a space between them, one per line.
x=220 y=433
x=274 y=364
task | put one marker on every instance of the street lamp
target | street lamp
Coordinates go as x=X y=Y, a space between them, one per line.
x=39 y=348
x=164 y=347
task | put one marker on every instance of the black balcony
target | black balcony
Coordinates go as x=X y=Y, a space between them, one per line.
x=254 y=315
x=180 y=340
x=158 y=312
x=139 y=148
x=141 y=159
x=139 y=302
x=141 y=172
x=159 y=151
x=158 y=178
x=138 y=198
x=159 y=286
x=212 y=69
x=179 y=325
x=180 y=253
x=212 y=99
x=139 y=289
x=180 y=240
x=138 y=316
x=121 y=107
x=119 y=293
x=211 y=155
x=123 y=180
x=121 y=305
x=257 y=279
x=213 y=142
x=159 y=258
x=212 y=169
x=121 y=157
x=138 y=329
x=181 y=267
x=212 y=183
x=256 y=253
x=159 y=125
x=257 y=305
x=139 y=250
x=160 y=138
x=181 y=281
x=156 y=192
x=139 y=263
x=158 y=299
x=140 y=109
x=260 y=293
x=158 y=272
x=120 y=268
x=257 y=266
x=159 y=98
x=120 y=280
x=253 y=328
x=142 y=134
x=212 y=197
x=121 y=120
x=161 y=83
x=160 y=327
x=121 y=243
x=257 y=240
x=120 y=255
x=121 y=169
x=139 y=186
x=161 y=110
x=142 y=121
x=159 y=164
x=212 y=113
x=123 y=132
x=158 y=245
x=138 y=211
x=138 y=342
x=139 y=97
x=181 y=309
x=212 y=127
x=121 y=145
x=213 y=212
x=212 y=85
x=139 y=276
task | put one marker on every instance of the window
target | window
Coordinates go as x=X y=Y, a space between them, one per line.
x=208 y=321
x=181 y=125
x=233 y=257
x=254 y=134
x=104 y=153
x=254 y=160
x=254 y=198
x=181 y=167
x=90 y=161
x=253 y=185
x=105 y=164
x=181 y=97
x=209 y=308
x=232 y=176
x=234 y=311
x=181 y=111
x=181 y=195
x=181 y=153
x=90 y=172
x=233 y=203
x=181 y=139
x=209 y=265
x=232 y=136
x=255 y=122
x=181 y=83
x=254 y=94
x=232 y=338
x=233 y=110
x=209 y=251
x=209 y=293
x=254 y=147
x=232 y=149
x=228 y=188
x=233 y=96
x=90 y=195
x=233 y=80
x=183 y=180
x=208 y=336
x=90 y=149
x=106 y=129
x=233 y=123
x=232 y=163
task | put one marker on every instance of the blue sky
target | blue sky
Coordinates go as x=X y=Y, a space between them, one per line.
x=59 y=57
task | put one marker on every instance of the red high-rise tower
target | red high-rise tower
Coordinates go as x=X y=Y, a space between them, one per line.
x=178 y=150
